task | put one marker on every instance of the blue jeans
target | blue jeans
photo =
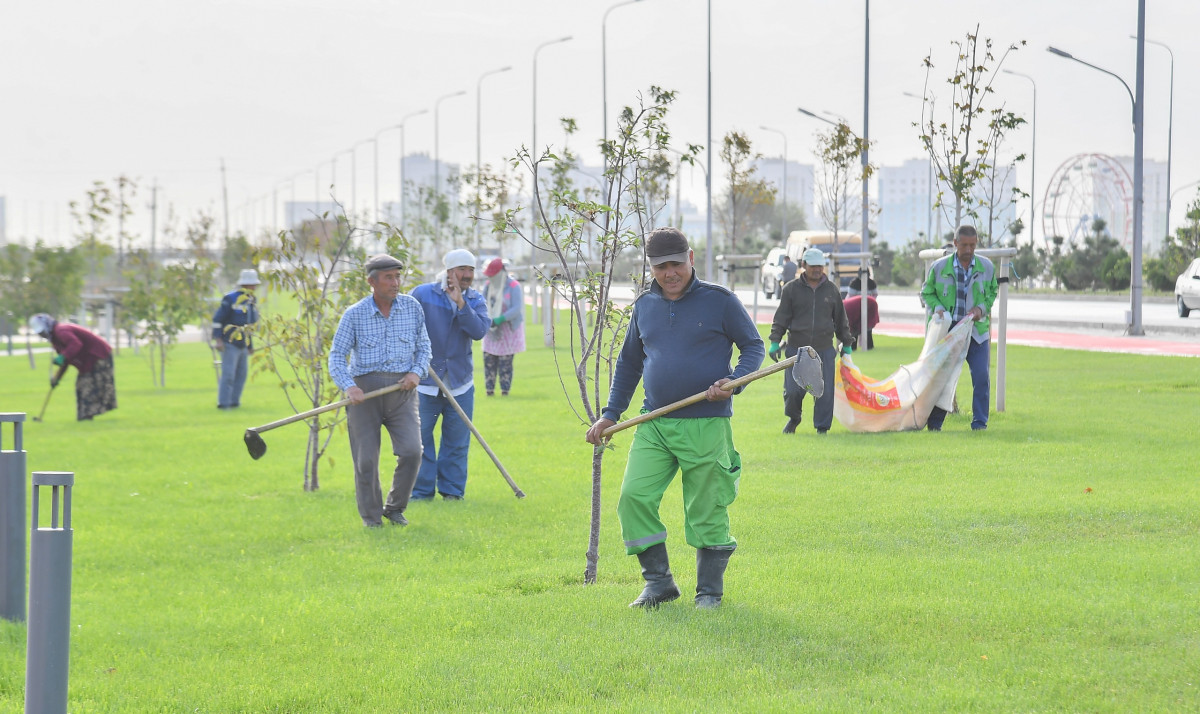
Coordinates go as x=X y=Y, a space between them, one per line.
x=444 y=470
x=235 y=363
x=981 y=387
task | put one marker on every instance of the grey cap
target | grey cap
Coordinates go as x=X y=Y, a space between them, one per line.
x=667 y=245
x=382 y=262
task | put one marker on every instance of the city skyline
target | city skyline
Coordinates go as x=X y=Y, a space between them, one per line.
x=275 y=90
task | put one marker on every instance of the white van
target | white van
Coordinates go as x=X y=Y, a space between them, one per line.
x=772 y=271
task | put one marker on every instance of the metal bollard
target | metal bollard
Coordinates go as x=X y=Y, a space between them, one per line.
x=12 y=521
x=49 y=634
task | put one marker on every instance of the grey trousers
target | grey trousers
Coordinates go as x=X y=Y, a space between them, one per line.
x=396 y=412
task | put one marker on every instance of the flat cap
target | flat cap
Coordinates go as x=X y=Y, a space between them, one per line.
x=382 y=262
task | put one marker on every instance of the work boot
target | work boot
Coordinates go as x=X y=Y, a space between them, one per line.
x=710 y=576
x=656 y=571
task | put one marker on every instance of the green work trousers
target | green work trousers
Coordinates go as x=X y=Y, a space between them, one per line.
x=702 y=449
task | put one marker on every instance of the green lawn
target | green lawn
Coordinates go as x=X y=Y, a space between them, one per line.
x=1050 y=563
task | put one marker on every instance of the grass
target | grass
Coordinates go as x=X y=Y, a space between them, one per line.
x=1049 y=564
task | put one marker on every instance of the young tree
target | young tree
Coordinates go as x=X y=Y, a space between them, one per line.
x=996 y=172
x=618 y=221
x=744 y=191
x=839 y=152
x=958 y=147
x=91 y=219
x=318 y=284
x=162 y=300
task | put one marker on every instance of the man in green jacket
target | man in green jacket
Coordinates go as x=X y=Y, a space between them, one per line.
x=965 y=285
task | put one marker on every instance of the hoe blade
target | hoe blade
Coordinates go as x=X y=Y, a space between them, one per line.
x=807 y=371
x=254 y=444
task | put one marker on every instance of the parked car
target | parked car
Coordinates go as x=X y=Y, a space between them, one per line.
x=772 y=270
x=1187 y=289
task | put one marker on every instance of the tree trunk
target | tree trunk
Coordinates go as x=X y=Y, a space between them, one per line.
x=593 y=551
x=312 y=457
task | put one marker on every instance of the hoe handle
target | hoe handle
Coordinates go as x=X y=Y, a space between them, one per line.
x=322 y=410
x=731 y=384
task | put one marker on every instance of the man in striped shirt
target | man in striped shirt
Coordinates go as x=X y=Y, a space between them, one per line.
x=381 y=341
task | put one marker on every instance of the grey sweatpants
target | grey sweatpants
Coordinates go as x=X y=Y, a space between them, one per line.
x=396 y=412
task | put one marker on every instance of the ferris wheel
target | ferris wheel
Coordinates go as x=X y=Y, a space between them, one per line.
x=1086 y=187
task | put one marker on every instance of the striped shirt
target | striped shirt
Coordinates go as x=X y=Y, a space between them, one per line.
x=961 y=284
x=366 y=341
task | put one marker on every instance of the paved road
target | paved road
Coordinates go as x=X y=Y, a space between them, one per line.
x=1068 y=322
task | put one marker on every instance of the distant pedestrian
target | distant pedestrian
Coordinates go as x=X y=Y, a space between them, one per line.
x=789 y=270
x=965 y=285
x=232 y=335
x=381 y=341
x=506 y=337
x=455 y=316
x=79 y=347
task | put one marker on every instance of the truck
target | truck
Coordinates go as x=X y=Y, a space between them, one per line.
x=839 y=271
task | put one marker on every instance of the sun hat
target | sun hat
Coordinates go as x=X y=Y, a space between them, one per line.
x=458 y=258
x=249 y=276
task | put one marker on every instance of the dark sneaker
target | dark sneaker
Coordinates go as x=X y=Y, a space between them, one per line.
x=790 y=427
x=396 y=517
x=448 y=497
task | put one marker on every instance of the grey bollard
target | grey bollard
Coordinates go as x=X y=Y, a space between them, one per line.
x=49 y=633
x=12 y=521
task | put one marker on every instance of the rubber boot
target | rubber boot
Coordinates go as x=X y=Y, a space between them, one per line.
x=710 y=576
x=656 y=571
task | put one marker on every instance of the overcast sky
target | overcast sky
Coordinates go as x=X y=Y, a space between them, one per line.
x=164 y=90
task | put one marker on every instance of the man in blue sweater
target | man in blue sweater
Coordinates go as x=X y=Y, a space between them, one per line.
x=680 y=342
x=455 y=316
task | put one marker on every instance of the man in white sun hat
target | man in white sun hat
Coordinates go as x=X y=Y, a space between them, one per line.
x=455 y=317
x=232 y=329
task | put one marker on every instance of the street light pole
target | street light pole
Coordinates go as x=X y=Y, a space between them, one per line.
x=929 y=197
x=405 y=118
x=708 y=241
x=1170 y=124
x=604 y=60
x=479 y=143
x=437 y=165
x=375 y=146
x=867 y=142
x=534 y=154
x=1135 y=282
x=783 y=232
x=1032 y=161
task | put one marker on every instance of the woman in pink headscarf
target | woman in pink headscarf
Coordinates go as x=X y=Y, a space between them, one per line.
x=506 y=337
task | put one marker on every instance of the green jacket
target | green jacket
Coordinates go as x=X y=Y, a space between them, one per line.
x=982 y=288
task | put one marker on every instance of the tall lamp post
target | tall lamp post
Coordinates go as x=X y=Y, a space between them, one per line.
x=1032 y=161
x=783 y=232
x=1135 y=282
x=375 y=147
x=1170 y=123
x=708 y=242
x=437 y=163
x=534 y=154
x=479 y=141
x=604 y=60
x=929 y=198
x=405 y=118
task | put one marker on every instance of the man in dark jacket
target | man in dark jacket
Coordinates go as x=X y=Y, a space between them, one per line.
x=810 y=312
x=680 y=342
x=231 y=327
